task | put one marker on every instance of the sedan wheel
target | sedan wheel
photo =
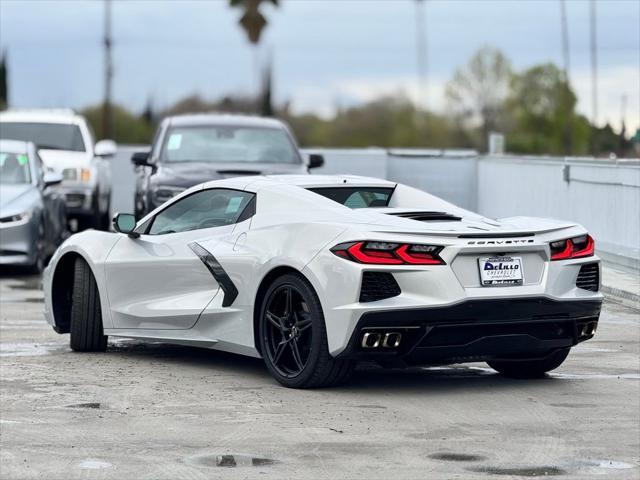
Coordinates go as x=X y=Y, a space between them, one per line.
x=39 y=255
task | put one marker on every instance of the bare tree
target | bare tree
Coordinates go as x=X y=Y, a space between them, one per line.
x=477 y=92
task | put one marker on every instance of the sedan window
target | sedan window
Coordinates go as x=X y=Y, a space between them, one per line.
x=204 y=209
x=14 y=168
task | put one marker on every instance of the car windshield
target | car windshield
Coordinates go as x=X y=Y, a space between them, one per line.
x=49 y=136
x=14 y=168
x=228 y=144
x=357 y=197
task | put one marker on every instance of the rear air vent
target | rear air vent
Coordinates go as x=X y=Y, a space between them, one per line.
x=589 y=277
x=428 y=216
x=378 y=286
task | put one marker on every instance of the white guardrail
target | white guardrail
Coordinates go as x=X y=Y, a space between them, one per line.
x=603 y=195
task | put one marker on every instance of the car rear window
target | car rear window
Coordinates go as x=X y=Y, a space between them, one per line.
x=357 y=197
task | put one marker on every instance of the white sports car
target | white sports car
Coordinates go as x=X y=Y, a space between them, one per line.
x=314 y=273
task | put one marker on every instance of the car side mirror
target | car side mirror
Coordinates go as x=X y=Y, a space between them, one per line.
x=140 y=159
x=125 y=223
x=51 y=178
x=105 y=148
x=315 y=160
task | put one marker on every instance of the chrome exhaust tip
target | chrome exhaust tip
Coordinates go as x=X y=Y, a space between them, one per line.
x=371 y=340
x=391 y=340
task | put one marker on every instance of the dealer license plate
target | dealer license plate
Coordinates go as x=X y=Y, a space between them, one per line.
x=500 y=271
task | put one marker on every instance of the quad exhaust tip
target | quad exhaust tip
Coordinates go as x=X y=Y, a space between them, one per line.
x=588 y=329
x=381 y=340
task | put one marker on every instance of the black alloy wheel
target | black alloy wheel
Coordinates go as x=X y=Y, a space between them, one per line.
x=288 y=332
x=293 y=336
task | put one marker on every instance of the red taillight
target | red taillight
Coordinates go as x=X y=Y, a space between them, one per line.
x=576 y=247
x=385 y=253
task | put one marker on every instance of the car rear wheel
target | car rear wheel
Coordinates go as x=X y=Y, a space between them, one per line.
x=87 y=334
x=530 y=368
x=293 y=337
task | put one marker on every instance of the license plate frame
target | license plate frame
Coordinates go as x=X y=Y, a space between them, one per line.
x=503 y=271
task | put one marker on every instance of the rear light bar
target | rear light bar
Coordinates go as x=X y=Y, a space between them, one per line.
x=387 y=253
x=576 y=247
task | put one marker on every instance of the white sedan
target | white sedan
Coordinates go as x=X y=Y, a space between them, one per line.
x=314 y=273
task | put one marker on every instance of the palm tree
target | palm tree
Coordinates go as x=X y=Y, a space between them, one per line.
x=252 y=21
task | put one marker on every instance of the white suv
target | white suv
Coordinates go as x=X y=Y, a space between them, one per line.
x=66 y=144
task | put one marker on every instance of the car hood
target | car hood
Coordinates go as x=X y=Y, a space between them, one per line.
x=15 y=197
x=58 y=160
x=188 y=174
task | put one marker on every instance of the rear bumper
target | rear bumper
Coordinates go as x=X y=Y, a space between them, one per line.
x=474 y=330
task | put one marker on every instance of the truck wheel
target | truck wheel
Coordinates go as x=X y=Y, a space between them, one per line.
x=530 y=368
x=87 y=334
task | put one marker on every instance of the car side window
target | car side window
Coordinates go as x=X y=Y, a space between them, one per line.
x=205 y=209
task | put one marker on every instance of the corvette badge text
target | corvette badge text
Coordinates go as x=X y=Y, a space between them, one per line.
x=501 y=242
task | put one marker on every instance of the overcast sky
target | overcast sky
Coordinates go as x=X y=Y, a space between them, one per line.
x=326 y=52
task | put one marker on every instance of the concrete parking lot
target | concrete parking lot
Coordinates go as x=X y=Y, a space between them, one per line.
x=154 y=411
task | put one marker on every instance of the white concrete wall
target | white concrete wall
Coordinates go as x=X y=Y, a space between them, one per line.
x=602 y=195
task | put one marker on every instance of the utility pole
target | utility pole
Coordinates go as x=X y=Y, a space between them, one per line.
x=566 y=100
x=594 y=73
x=423 y=66
x=107 y=120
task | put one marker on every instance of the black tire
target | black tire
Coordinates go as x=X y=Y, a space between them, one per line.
x=87 y=334
x=535 y=368
x=39 y=260
x=320 y=368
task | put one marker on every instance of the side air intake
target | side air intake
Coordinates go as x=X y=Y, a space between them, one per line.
x=378 y=286
x=589 y=277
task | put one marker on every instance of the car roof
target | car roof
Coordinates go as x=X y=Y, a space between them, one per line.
x=309 y=181
x=223 y=119
x=14 y=146
x=257 y=182
x=41 y=115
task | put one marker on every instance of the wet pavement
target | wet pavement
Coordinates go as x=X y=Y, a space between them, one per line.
x=156 y=411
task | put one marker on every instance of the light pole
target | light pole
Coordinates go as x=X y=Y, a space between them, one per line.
x=422 y=102
x=566 y=101
x=107 y=121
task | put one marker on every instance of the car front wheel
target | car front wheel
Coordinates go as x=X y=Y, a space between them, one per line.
x=530 y=368
x=87 y=334
x=293 y=337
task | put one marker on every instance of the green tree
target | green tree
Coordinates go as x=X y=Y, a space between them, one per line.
x=539 y=104
x=128 y=128
x=477 y=92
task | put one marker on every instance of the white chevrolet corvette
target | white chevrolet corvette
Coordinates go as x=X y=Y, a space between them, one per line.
x=314 y=273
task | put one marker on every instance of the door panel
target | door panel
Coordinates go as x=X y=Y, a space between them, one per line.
x=158 y=282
